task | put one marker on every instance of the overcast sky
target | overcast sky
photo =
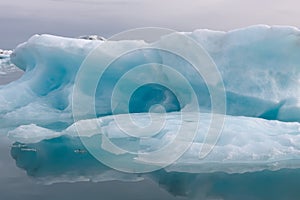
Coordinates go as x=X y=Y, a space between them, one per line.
x=20 y=19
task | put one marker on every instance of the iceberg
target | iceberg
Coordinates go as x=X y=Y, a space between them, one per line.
x=260 y=75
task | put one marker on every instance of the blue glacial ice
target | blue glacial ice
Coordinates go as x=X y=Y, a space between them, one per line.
x=259 y=66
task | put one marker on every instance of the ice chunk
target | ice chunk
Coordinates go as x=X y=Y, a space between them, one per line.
x=92 y=37
x=5 y=53
x=6 y=66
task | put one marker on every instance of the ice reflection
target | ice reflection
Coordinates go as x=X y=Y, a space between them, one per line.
x=66 y=160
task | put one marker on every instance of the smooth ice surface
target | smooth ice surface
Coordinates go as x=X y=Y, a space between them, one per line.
x=259 y=66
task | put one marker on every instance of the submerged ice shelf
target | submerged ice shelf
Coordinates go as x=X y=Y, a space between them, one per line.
x=260 y=69
x=245 y=145
x=48 y=166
